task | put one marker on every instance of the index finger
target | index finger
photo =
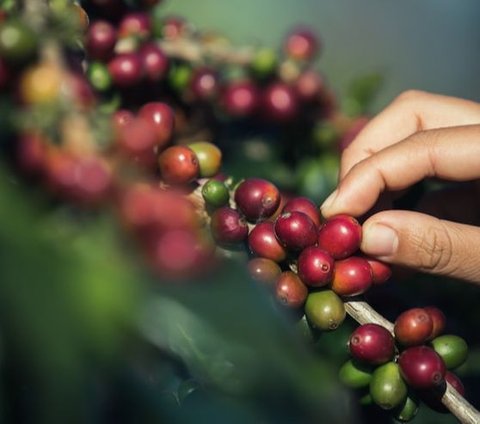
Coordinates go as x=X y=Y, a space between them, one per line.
x=411 y=112
x=449 y=153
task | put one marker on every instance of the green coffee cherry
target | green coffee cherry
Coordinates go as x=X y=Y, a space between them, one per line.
x=355 y=375
x=18 y=43
x=99 y=76
x=387 y=387
x=209 y=158
x=408 y=410
x=325 y=310
x=215 y=193
x=452 y=349
x=264 y=62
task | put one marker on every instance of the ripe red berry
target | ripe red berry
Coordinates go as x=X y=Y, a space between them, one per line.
x=372 y=343
x=100 y=40
x=263 y=242
x=340 y=236
x=309 y=85
x=136 y=137
x=204 y=84
x=240 y=99
x=352 y=276
x=126 y=69
x=315 y=266
x=305 y=205
x=121 y=118
x=433 y=397
x=173 y=27
x=264 y=270
x=280 y=103
x=422 y=367
x=438 y=321
x=381 y=272
x=228 y=226
x=161 y=116
x=257 y=198
x=301 y=44
x=413 y=327
x=295 y=230
x=178 y=165
x=32 y=154
x=155 y=62
x=290 y=290
x=135 y=25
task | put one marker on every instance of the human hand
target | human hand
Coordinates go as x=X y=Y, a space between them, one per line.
x=419 y=135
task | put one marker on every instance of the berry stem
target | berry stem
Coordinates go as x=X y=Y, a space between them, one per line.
x=363 y=313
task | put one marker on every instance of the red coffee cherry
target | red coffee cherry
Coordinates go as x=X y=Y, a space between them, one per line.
x=178 y=165
x=280 y=103
x=381 y=272
x=372 y=344
x=295 y=230
x=305 y=205
x=290 y=290
x=135 y=24
x=340 y=236
x=352 y=276
x=433 y=397
x=121 y=118
x=257 y=198
x=413 y=327
x=309 y=85
x=228 y=226
x=422 y=367
x=161 y=116
x=240 y=99
x=315 y=266
x=100 y=40
x=136 y=138
x=263 y=242
x=301 y=44
x=439 y=321
x=204 y=84
x=32 y=154
x=126 y=69
x=155 y=62
x=264 y=270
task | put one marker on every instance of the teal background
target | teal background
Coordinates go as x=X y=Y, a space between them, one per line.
x=431 y=45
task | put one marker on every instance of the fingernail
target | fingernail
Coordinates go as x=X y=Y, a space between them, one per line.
x=329 y=201
x=379 y=240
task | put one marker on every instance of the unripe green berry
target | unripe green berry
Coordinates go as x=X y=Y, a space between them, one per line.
x=387 y=387
x=215 y=193
x=355 y=375
x=452 y=349
x=325 y=310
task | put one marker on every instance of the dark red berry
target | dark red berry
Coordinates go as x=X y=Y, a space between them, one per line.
x=126 y=69
x=228 y=226
x=280 y=103
x=257 y=198
x=422 y=367
x=121 y=118
x=204 y=84
x=309 y=85
x=413 y=327
x=315 y=266
x=372 y=343
x=352 y=276
x=381 y=272
x=178 y=165
x=100 y=40
x=438 y=321
x=290 y=290
x=301 y=44
x=263 y=242
x=173 y=27
x=161 y=116
x=295 y=230
x=4 y=74
x=32 y=154
x=305 y=205
x=433 y=397
x=264 y=270
x=155 y=62
x=340 y=236
x=240 y=99
x=135 y=24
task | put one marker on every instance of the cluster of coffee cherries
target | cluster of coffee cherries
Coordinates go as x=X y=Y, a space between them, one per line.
x=397 y=371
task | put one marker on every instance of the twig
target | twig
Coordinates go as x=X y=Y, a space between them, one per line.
x=363 y=313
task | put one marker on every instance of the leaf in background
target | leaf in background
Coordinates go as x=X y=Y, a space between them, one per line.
x=361 y=93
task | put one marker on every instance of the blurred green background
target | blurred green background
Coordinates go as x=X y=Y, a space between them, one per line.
x=430 y=45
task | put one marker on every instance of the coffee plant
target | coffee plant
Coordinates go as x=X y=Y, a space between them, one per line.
x=178 y=177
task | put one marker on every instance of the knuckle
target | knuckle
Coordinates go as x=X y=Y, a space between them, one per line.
x=410 y=96
x=433 y=249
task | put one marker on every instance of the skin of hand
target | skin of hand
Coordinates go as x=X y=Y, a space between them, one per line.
x=419 y=135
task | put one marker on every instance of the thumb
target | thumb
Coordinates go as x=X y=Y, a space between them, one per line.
x=423 y=242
